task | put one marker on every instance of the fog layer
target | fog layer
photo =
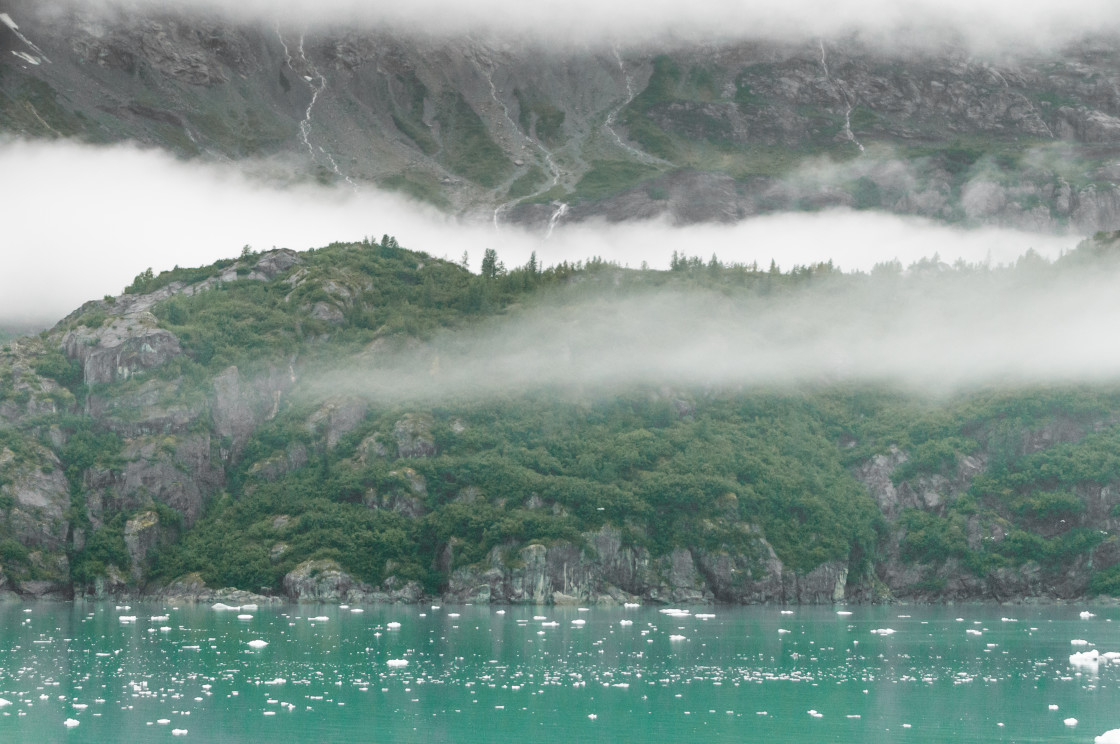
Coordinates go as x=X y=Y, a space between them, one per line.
x=79 y=222
x=931 y=330
x=986 y=22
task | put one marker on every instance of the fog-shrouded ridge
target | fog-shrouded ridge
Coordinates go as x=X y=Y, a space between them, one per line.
x=1016 y=22
x=932 y=330
x=80 y=221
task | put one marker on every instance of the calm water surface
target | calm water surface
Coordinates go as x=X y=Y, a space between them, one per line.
x=477 y=674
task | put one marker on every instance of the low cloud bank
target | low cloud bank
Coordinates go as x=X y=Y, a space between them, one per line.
x=79 y=222
x=934 y=331
x=984 y=23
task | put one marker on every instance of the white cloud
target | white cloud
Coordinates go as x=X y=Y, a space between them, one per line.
x=981 y=21
x=79 y=222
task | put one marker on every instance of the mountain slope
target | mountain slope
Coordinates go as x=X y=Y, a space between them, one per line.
x=512 y=131
x=295 y=424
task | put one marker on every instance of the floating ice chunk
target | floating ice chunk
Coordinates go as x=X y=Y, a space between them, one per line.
x=70 y=723
x=704 y=615
x=676 y=638
x=1078 y=642
x=160 y=618
x=277 y=681
x=625 y=622
x=79 y=706
x=1008 y=620
x=454 y=614
x=782 y=631
x=1085 y=615
x=1088 y=660
x=258 y=643
x=397 y=662
x=178 y=732
x=973 y=631
x=127 y=618
x=539 y=617
x=357 y=610
x=393 y=626
x=843 y=613
x=163 y=721
x=1111 y=655
x=852 y=715
x=319 y=619
x=550 y=624
x=1108 y=737
x=630 y=605
x=787 y=612
x=244 y=617
x=884 y=631
x=221 y=607
x=249 y=607
x=815 y=714
x=579 y=621
x=4 y=703
x=1071 y=722
x=1052 y=707
x=592 y=716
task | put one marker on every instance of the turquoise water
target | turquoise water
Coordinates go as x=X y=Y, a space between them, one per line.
x=477 y=674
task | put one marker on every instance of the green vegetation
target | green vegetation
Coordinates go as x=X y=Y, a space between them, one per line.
x=468 y=148
x=987 y=481
x=607 y=177
x=537 y=116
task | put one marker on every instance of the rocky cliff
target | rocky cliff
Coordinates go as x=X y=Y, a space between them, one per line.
x=528 y=134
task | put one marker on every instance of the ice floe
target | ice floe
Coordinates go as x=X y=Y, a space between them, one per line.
x=1108 y=737
x=397 y=662
x=258 y=643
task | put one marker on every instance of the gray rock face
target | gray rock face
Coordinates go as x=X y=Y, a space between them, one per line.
x=325 y=581
x=40 y=497
x=119 y=350
x=413 y=434
x=141 y=536
x=240 y=406
x=562 y=573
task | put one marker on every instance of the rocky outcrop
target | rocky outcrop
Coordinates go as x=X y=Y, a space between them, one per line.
x=191 y=588
x=325 y=581
x=241 y=405
x=38 y=497
x=120 y=348
x=607 y=572
x=413 y=435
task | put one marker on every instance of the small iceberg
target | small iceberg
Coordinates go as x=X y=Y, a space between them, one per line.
x=1071 y=722
x=178 y=732
x=319 y=619
x=676 y=638
x=884 y=631
x=625 y=622
x=393 y=626
x=221 y=607
x=1108 y=737
x=257 y=643
x=1088 y=660
x=1085 y=615
x=70 y=723
x=244 y=617
x=397 y=662
x=1079 y=642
